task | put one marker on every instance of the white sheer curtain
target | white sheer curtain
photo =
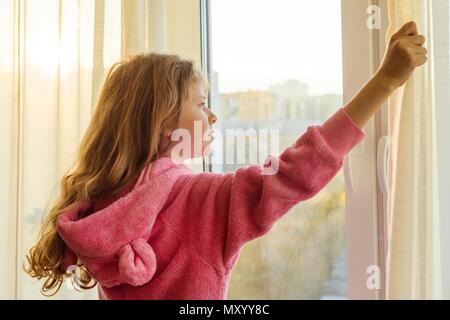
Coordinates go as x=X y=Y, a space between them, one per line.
x=418 y=261
x=53 y=57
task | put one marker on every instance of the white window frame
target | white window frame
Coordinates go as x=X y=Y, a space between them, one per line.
x=363 y=51
x=365 y=205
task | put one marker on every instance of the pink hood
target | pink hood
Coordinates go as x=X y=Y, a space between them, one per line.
x=113 y=242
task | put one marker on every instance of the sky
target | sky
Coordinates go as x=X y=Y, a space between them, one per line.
x=257 y=43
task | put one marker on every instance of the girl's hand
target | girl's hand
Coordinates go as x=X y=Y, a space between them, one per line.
x=404 y=54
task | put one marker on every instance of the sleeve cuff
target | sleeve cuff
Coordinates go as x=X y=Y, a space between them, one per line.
x=341 y=133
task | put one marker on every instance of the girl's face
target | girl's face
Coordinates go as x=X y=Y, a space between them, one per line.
x=195 y=123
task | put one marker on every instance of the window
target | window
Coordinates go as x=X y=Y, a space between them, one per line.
x=278 y=65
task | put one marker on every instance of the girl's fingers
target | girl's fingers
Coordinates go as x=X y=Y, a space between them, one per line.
x=408 y=29
x=419 y=50
x=420 y=60
x=417 y=40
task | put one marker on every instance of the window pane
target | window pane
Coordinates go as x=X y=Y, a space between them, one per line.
x=277 y=65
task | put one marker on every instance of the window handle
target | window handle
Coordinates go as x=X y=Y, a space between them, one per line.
x=382 y=154
x=348 y=173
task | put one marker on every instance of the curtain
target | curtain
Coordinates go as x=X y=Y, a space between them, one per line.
x=54 y=55
x=418 y=258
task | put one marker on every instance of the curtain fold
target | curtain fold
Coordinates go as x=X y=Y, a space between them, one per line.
x=418 y=249
x=53 y=60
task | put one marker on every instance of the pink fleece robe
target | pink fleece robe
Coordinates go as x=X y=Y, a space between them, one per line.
x=176 y=234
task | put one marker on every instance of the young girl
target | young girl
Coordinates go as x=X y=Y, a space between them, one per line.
x=144 y=226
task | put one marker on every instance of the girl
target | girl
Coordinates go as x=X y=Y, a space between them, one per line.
x=144 y=226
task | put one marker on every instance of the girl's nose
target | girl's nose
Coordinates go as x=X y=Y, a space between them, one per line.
x=212 y=117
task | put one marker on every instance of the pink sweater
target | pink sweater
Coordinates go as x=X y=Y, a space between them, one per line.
x=176 y=234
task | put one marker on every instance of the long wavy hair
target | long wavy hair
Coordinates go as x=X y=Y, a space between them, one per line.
x=140 y=99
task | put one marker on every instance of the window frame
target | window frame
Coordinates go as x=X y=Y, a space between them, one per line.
x=365 y=204
x=206 y=59
x=363 y=50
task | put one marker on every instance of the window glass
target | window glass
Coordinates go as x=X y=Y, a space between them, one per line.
x=277 y=64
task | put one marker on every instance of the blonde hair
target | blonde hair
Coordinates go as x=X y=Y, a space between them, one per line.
x=140 y=99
